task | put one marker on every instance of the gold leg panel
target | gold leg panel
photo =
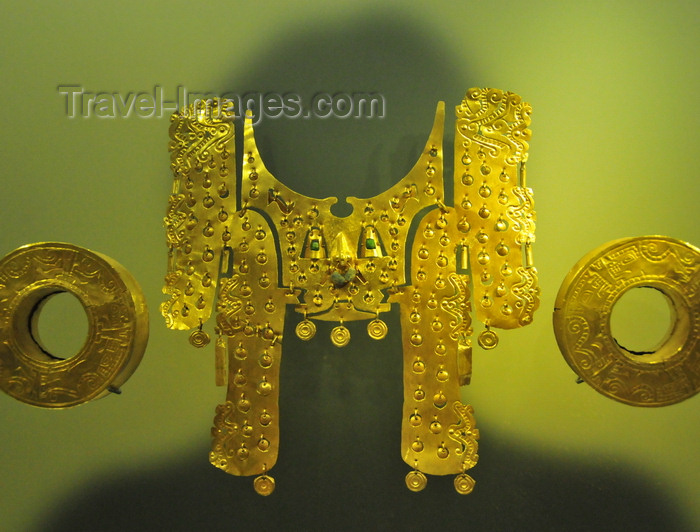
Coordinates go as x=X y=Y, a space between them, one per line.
x=251 y=313
x=434 y=320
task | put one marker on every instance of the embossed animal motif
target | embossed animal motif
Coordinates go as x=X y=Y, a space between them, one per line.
x=274 y=247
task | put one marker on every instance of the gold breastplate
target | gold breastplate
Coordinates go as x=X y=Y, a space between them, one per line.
x=261 y=246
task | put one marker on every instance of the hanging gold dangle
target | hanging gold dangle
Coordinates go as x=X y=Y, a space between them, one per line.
x=377 y=329
x=264 y=484
x=487 y=339
x=305 y=329
x=199 y=338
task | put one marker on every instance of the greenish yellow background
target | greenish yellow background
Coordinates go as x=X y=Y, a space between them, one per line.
x=615 y=89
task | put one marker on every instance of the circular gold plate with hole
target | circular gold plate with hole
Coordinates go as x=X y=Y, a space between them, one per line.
x=584 y=304
x=117 y=325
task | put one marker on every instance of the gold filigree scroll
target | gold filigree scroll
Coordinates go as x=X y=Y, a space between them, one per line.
x=117 y=325
x=466 y=435
x=275 y=247
x=584 y=304
x=458 y=306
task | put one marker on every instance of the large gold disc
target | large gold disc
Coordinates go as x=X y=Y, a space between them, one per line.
x=117 y=325
x=669 y=374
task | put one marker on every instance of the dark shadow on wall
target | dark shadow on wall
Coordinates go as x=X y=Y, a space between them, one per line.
x=515 y=490
x=378 y=54
x=340 y=466
x=340 y=469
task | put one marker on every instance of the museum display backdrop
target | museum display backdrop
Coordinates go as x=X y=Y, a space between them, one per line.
x=610 y=158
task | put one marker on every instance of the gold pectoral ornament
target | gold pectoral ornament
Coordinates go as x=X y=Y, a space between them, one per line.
x=274 y=247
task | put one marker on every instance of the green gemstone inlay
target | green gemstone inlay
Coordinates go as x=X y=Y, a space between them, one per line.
x=315 y=246
x=371 y=244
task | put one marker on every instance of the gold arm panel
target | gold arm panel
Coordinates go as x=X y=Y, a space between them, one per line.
x=251 y=313
x=435 y=324
x=203 y=197
x=494 y=206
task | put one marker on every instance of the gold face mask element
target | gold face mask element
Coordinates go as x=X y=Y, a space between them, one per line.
x=276 y=247
x=117 y=325
x=584 y=304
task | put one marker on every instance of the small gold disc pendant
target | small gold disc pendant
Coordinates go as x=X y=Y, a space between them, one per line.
x=340 y=336
x=464 y=484
x=306 y=329
x=416 y=481
x=199 y=338
x=488 y=339
x=377 y=329
x=264 y=485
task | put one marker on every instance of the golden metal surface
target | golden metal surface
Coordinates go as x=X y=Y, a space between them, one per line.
x=117 y=325
x=201 y=148
x=487 y=339
x=494 y=205
x=582 y=320
x=277 y=247
x=464 y=484
x=416 y=481
x=264 y=485
x=221 y=363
